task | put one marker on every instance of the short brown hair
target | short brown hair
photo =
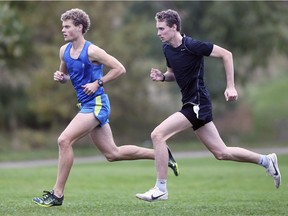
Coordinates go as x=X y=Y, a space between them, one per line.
x=169 y=16
x=79 y=17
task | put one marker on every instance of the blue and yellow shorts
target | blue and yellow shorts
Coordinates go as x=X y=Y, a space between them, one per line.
x=100 y=106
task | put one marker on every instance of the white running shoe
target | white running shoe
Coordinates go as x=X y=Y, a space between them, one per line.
x=153 y=194
x=273 y=169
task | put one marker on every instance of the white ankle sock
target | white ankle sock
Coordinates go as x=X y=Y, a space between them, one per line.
x=161 y=184
x=264 y=161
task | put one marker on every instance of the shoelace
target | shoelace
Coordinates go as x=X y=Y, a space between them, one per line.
x=154 y=188
x=46 y=194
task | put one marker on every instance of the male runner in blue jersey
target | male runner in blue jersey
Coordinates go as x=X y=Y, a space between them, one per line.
x=185 y=65
x=82 y=62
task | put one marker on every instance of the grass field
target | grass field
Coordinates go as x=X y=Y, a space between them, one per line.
x=204 y=187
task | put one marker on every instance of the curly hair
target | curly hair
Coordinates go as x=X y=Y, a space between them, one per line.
x=169 y=16
x=79 y=17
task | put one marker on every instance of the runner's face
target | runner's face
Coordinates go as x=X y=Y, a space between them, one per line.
x=164 y=32
x=70 y=31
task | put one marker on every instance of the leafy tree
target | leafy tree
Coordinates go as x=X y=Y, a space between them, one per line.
x=31 y=37
x=15 y=56
x=252 y=30
x=13 y=46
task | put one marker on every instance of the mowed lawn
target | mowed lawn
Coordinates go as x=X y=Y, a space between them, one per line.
x=205 y=187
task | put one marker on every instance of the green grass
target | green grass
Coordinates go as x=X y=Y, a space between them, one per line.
x=80 y=151
x=204 y=187
x=269 y=103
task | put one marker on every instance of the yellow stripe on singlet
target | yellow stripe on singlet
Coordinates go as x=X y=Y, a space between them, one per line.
x=98 y=105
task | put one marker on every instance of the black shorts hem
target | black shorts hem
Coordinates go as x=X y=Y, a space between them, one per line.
x=205 y=116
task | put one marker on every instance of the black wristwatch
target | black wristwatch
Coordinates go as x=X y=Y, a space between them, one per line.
x=100 y=82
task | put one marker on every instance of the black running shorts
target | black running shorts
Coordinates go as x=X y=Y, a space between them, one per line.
x=204 y=115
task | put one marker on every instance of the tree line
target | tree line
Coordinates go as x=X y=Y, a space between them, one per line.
x=30 y=38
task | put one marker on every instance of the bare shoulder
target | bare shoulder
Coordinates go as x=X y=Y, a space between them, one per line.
x=95 y=50
x=63 y=47
x=97 y=54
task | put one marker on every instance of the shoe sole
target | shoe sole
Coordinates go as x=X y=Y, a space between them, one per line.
x=275 y=162
x=174 y=167
x=152 y=200
x=44 y=205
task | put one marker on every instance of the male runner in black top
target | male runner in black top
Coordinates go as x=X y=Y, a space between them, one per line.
x=185 y=65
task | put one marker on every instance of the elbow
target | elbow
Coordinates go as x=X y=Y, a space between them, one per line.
x=122 y=70
x=229 y=55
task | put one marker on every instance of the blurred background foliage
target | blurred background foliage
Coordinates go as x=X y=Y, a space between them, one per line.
x=34 y=109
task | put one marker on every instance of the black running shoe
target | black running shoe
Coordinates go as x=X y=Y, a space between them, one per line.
x=48 y=199
x=172 y=163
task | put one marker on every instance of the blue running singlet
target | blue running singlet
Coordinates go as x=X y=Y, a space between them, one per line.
x=82 y=71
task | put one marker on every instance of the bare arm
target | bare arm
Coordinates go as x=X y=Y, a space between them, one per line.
x=62 y=74
x=227 y=57
x=99 y=56
x=157 y=75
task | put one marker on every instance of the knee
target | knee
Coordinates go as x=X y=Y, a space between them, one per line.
x=222 y=155
x=157 y=136
x=112 y=156
x=63 y=142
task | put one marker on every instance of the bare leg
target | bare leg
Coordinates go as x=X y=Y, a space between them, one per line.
x=169 y=127
x=102 y=137
x=210 y=137
x=69 y=136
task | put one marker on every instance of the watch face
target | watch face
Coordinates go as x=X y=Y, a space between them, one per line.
x=100 y=82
